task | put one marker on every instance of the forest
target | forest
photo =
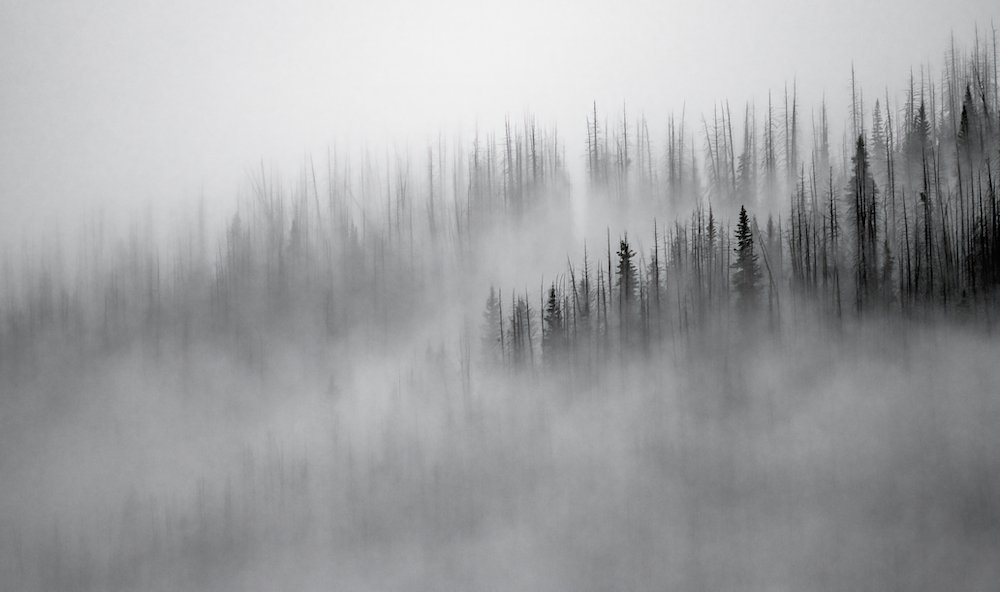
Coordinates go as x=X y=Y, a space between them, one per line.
x=763 y=358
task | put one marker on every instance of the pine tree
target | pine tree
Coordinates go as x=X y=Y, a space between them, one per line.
x=969 y=140
x=553 y=328
x=627 y=273
x=628 y=287
x=746 y=270
x=916 y=145
x=863 y=210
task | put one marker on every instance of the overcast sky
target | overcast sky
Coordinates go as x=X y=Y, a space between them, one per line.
x=118 y=101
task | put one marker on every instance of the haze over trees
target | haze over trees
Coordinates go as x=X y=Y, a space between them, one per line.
x=779 y=374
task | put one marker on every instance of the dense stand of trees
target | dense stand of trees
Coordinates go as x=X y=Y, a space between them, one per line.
x=907 y=223
x=353 y=244
x=904 y=224
x=908 y=220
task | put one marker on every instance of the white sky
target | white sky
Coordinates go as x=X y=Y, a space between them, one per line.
x=119 y=101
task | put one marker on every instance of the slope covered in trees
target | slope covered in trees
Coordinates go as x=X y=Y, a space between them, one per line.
x=765 y=362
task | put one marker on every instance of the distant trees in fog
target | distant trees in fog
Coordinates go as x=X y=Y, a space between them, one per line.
x=902 y=219
x=906 y=223
x=901 y=223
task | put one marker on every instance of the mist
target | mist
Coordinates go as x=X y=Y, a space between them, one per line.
x=115 y=106
x=456 y=296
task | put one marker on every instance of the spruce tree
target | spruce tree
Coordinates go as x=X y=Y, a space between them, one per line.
x=628 y=287
x=746 y=270
x=863 y=208
x=627 y=273
x=553 y=328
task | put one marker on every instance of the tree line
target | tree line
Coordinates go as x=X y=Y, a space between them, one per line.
x=903 y=219
x=906 y=224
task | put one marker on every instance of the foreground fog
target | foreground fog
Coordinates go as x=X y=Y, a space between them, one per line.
x=668 y=358
x=787 y=465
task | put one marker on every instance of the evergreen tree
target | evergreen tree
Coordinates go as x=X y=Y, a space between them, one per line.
x=863 y=210
x=746 y=270
x=711 y=234
x=917 y=142
x=969 y=140
x=553 y=328
x=627 y=274
x=628 y=287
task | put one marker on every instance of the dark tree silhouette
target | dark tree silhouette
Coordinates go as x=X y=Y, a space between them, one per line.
x=626 y=274
x=553 y=328
x=746 y=271
x=863 y=210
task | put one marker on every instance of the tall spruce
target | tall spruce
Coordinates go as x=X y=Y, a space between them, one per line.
x=746 y=270
x=553 y=327
x=863 y=211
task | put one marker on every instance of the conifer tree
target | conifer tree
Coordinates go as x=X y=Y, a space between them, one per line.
x=863 y=209
x=916 y=144
x=628 y=287
x=626 y=272
x=746 y=270
x=553 y=327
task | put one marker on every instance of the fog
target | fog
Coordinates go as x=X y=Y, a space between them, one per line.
x=115 y=105
x=476 y=297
